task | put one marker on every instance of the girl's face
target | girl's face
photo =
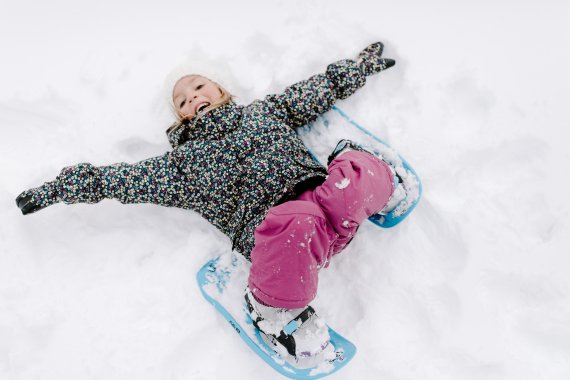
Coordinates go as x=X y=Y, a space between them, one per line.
x=194 y=93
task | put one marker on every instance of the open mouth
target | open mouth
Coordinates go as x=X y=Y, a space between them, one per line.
x=202 y=107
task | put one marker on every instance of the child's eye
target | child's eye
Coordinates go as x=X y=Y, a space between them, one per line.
x=199 y=86
x=182 y=104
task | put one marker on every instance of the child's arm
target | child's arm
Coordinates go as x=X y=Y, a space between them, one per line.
x=155 y=180
x=302 y=102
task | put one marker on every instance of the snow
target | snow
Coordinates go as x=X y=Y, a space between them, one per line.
x=343 y=184
x=473 y=285
x=322 y=368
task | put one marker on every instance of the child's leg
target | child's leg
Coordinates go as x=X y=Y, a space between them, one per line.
x=291 y=244
x=298 y=237
x=358 y=186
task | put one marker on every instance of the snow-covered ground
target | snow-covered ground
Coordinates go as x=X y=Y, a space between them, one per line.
x=474 y=285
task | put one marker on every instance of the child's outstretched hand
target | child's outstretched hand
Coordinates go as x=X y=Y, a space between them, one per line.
x=37 y=198
x=78 y=183
x=370 y=59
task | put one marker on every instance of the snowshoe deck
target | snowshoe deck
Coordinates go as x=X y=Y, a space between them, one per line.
x=321 y=137
x=223 y=281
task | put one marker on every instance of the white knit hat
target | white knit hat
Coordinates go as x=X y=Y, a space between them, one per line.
x=199 y=62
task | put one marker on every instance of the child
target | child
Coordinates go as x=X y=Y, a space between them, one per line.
x=244 y=169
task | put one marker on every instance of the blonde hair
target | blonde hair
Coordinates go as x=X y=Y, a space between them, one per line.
x=224 y=99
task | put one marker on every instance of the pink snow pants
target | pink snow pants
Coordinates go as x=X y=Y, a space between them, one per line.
x=297 y=238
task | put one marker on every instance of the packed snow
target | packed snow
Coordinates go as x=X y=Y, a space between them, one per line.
x=343 y=184
x=473 y=284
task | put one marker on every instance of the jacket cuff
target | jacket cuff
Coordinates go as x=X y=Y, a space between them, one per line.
x=346 y=77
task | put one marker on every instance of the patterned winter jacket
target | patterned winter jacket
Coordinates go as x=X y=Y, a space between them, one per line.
x=231 y=164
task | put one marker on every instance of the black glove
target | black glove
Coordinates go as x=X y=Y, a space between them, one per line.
x=35 y=199
x=370 y=59
x=78 y=183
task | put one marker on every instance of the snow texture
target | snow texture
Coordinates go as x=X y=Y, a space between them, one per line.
x=343 y=184
x=472 y=285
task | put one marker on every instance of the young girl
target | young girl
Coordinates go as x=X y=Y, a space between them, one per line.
x=245 y=170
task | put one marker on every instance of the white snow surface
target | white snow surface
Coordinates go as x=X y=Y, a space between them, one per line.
x=473 y=285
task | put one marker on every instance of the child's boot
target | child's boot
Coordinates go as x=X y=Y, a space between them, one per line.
x=299 y=332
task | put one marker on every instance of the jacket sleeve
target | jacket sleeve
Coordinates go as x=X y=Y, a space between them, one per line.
x=302 y=102
x=156 y=180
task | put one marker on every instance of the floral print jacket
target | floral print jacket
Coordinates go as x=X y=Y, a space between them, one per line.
x=230 y=164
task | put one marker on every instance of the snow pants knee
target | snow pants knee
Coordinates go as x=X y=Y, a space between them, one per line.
x=298 y=238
